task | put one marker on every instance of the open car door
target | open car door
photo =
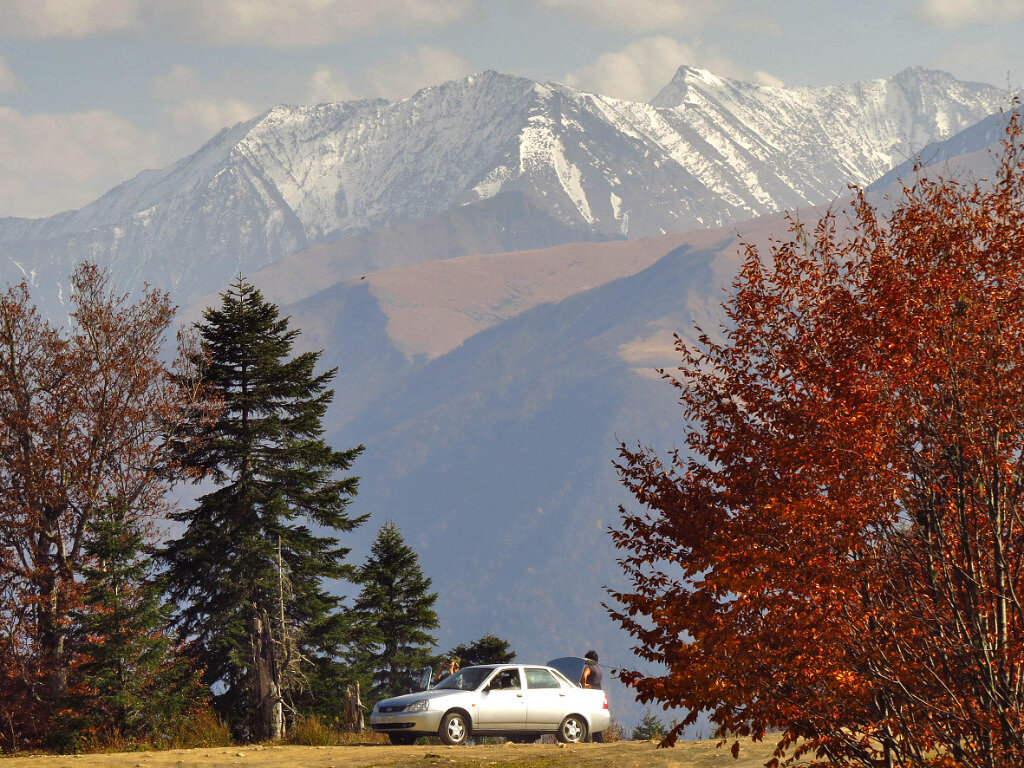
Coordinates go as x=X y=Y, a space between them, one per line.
x=423 y=678
x=570 y=666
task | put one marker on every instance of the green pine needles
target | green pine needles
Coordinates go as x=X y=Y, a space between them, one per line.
x=249 y=568
x=394 y=613
x=127 y=681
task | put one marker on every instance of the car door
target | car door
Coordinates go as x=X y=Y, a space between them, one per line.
x=545 y=700
x=502 y=704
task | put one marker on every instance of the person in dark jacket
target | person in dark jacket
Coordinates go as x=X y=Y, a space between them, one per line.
x=592 y=673
x=591 y=678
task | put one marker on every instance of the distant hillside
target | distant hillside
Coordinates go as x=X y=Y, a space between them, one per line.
x=491 y=393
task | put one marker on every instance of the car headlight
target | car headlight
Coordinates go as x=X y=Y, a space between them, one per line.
x=419 y=706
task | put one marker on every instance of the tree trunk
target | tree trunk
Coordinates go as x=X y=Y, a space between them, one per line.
x=269 y=710
x=353 y=709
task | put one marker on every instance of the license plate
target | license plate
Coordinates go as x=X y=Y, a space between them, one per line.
x=387 y=719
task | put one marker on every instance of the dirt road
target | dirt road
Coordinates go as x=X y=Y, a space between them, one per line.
x=629 y=754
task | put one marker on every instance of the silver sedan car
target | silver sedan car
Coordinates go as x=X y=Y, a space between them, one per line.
x=513 y=700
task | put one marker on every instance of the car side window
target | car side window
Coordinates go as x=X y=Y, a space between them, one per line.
x=507 y=679
x=540 y=678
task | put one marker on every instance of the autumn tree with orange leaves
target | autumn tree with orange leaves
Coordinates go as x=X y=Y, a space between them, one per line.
x=836 y=554
x=89 y=414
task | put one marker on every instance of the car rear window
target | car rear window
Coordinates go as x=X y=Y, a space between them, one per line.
x=540 y=678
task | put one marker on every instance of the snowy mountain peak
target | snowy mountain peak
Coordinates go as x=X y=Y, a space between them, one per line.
x=708 y=150
x=675 y=92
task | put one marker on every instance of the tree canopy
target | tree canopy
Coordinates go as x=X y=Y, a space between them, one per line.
x=489 y=649
x=394 y=613
x=836 y=552
x=90 y=417
x=250 y=567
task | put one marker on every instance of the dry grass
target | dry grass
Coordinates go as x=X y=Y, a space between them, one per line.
x=623 y=754
x=315 y=732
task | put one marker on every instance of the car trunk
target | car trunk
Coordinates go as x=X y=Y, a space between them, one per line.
x=570 y=666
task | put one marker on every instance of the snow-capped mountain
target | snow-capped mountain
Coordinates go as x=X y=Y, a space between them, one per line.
x=974 y=153
x=706 y=151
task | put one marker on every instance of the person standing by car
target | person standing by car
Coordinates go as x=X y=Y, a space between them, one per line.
x=592 y=673
x=451 y=669
x=591 y=678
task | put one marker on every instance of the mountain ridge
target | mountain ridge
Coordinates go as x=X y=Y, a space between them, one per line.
x=295 y=177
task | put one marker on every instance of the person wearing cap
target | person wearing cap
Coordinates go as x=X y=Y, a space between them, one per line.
x=452 y=668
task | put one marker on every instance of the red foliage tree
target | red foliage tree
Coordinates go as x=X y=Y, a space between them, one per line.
x=87 y=417
x=837 y=553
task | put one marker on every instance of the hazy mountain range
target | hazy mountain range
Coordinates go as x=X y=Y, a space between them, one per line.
x=488 y=265
x=546 y=163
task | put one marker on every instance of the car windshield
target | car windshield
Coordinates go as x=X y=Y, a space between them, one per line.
x=467 y=679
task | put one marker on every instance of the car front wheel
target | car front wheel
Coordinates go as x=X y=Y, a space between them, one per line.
x=573 y=730
x=454 y=729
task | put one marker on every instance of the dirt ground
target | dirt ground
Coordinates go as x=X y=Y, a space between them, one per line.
x=627 y=754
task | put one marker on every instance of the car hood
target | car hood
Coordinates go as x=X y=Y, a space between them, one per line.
x=408 y=698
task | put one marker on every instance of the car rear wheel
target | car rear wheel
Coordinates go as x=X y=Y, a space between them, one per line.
x=454 y=729
x=573 y=730
x=402 y=739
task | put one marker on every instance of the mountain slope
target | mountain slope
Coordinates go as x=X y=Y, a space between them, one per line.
x=707 y=151
x=490 y=437
x=972 y=153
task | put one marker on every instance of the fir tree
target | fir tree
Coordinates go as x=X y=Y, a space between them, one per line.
x=649 y=727
x=250 y=567
x=394 y=612
x=128 y=681
x=489 y=649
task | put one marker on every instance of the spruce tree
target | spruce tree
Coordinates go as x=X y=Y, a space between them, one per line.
x=394 y=612
x=250 y=566
x=128 y=681
x=649 y=727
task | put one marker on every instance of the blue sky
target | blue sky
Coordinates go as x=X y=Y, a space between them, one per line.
x=93 y=91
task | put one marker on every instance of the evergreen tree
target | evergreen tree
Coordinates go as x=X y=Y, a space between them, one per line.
x=649 y=727
x=128 y=681
x=489 y=649
x=249 y=568
x=394 y=611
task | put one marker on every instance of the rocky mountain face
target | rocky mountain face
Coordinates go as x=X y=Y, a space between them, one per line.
x=577 y=166
x=973 y=153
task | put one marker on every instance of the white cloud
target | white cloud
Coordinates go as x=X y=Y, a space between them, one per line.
x=767 y=78
x=641 y=69
x=192 y=121
x=55 y=162
x=394 y=78
x=74 y=19
x=327 y=85
x=9 y=82
x=639 y=16
x=994 y=60
x=298 y=23
x=404 y=74
x=273 y=23
x=951 y=14
x=194 y=110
